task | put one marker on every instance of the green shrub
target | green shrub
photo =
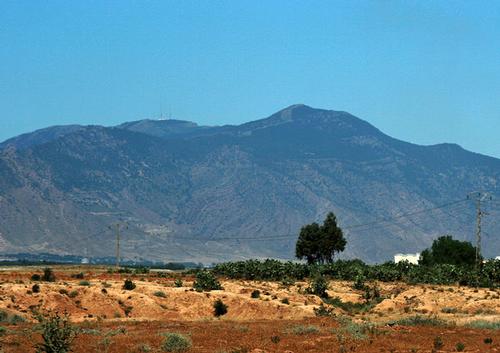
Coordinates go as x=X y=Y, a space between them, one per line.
x=275 y=339
x=438 y=342
x=57 y=334
x=319 y=286
x=178 y=283
x=3 y=331
x=285 y=301
x=219 y=308
x=48 y=275
x=128 y=285
x=35 y=277
x=73 y=294
x=160 y=294
x=35 y=288
x=322 y=310
x=255 y=294
x=84 y=283
x=206 y=281
x=176 y=342
x=460 y=347
x=78 y=275
x=488 y=340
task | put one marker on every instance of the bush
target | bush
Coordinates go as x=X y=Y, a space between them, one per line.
x=48 y=275
x=84 y=283
x=128 y=285
x=488 y=340
x=438 y=343
x=219 y=308
x=319 y=286
x=322 y=310
x=57 y=334
x=73 y=294
x=460 y=347
x=35 y=288
x=178 y=283
x=35 y=277
x=176 y=342
x=160 y=294
x=285 y=301
x=255 y=294
x=78 y=275
x=206 y=281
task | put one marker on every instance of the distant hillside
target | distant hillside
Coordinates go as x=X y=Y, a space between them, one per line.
x=194 y=193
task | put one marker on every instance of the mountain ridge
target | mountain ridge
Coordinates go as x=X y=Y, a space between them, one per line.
x=184 y=186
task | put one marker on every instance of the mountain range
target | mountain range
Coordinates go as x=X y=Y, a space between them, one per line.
x=212 y=193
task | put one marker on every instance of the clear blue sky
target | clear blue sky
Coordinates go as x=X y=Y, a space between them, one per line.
x=422 y=71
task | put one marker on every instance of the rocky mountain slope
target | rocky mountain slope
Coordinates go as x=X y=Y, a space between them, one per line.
x=197 y=193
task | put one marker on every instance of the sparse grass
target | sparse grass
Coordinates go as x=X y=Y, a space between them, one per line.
x=484 y=325
x=176 y=342
x=304 y=330
x=358 y=331
x=419 y=320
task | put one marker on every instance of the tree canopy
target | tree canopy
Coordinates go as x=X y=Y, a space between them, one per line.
x=318 y=244
x=446 y=250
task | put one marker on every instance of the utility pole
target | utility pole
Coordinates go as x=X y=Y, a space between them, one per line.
x=479 y=197
x=118 y=227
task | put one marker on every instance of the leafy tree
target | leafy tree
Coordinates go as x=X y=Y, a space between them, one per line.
x=320 y=243
x=446 y=250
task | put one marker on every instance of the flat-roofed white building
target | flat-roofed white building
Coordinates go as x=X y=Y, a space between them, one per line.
x=411 y=258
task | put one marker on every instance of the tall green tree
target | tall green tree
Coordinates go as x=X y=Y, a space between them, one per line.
x=446 y=250
x=318 y=244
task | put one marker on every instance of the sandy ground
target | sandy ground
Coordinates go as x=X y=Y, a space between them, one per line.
x=156 y=306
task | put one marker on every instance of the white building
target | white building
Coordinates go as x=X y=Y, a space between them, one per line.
x=411 y=258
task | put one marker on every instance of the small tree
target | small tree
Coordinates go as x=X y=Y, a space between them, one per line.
x=48 y=275
x=446 y=250
x=220 y=308
x=57 y=333
x=320 y=243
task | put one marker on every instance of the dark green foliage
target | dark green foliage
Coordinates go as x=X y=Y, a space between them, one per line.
x=178 y=283
x=460 y=347
x=128 y=285
x=35 y=277
x=318 y=244
x=488 y=275
x=446 y=250
x=57 y=334
x=319 y=286
x=322 y=310
x=35 y=288
x=176 y=342
x=206 y=281
x=48 y=275
x=438 y=342
x=285 y=301
x=219 y=308
x=488 y=340
x=78 y=275
x=255 y=294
